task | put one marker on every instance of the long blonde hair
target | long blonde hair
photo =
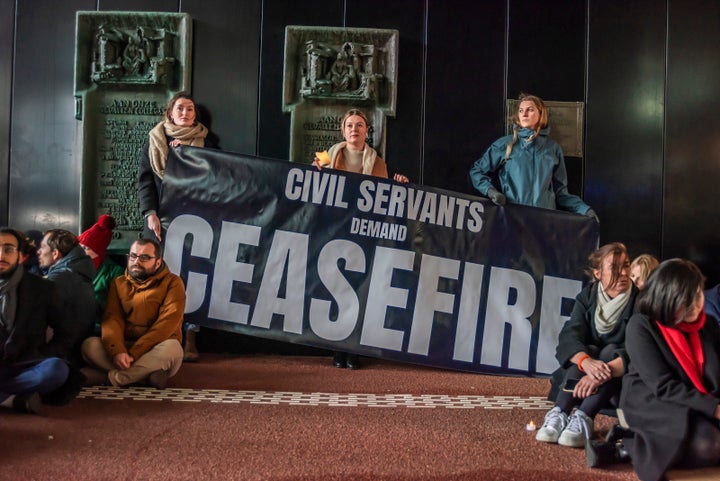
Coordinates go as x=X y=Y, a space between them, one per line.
x=515 y=119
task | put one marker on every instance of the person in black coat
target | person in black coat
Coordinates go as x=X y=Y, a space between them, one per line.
x=180 y=126
x=72 y=271
x=671 y=394
x=591 y=349
x=26 y=306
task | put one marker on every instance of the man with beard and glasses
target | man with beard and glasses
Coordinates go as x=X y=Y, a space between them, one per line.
x=141 y=327
x=26 y=306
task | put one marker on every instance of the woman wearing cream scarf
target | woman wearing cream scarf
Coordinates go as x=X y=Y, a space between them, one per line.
x=180 y=126
x=353 y=155
x=591 y=350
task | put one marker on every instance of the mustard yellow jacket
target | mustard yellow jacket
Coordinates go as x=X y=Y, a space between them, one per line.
x=143 y=314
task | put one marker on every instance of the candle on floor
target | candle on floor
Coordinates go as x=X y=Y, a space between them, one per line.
x=530 y=426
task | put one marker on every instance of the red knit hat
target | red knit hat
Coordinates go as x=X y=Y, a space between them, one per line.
x=98 y=236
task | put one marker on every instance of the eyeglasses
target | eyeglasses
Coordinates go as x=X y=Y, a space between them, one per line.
x=143 y=257
x=8 y=249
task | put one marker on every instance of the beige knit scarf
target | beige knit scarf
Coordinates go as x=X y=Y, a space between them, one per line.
x=368 y=160
x=158 y=151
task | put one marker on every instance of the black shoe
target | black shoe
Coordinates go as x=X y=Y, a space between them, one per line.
x=339 y=360
x=352 y=361
x=28 y=403
x=618 y=433
x=601 y=453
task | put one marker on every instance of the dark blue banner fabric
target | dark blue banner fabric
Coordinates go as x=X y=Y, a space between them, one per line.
x=366 y=265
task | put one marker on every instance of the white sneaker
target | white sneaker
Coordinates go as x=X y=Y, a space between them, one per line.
x=554 y=424
x=579 y=428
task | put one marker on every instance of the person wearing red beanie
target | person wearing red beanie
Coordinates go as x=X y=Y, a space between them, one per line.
x=95 y=241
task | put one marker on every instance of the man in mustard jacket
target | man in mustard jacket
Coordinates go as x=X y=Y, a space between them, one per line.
x=142 y=324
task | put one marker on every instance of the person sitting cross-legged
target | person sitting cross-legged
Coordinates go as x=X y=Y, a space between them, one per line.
x=26 y=306
x=591 y=350
x=141 y=326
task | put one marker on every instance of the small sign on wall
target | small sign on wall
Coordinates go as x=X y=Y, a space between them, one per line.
x=565 y=120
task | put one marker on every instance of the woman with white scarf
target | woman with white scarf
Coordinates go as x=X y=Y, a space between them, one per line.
x=179 y=127
x=591 y=349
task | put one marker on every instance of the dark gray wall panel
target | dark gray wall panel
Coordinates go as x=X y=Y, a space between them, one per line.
x=45 y=164
x=546 y=49
x=624 y=140
x=404 y=131
x=274 y=125
x=464 y=106
x=7 y=31
x=546 y=57
x=692 y=176
x=226 y=56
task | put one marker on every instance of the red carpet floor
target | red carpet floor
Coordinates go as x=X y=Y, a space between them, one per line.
x=298 y=418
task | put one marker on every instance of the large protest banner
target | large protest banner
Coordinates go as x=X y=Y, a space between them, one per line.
x=366 y=265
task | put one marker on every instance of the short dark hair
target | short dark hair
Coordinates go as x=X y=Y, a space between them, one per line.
x=62 y=240
x=143 y=241
x=672 y=287
x=18 y=235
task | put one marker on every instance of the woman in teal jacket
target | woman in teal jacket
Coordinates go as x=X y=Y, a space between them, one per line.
x=529 y=164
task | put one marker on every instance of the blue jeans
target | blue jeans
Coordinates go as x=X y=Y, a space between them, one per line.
x=43 y=377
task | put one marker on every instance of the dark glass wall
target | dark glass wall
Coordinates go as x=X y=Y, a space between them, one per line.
x=646 y=70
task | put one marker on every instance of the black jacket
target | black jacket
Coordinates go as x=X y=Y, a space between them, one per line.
x=658 y=399
x=579 y=332
x=34 y=310
x=77 y=308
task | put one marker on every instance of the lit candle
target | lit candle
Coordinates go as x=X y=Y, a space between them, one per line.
x=530 y=426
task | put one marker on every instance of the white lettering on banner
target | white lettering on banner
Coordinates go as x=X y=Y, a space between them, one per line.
x=381 y=230
x=382 y=295
x=500 y=311
x=555 y=289
x=228 y=271
x=511 y=294
x=428 y=207
x=466 y=332
x=316 y=187
x=348 y=304
x=430 y=300
x=202 y=235
x=287 y=248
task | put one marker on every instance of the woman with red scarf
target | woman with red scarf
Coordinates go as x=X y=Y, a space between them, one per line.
x=671 y=392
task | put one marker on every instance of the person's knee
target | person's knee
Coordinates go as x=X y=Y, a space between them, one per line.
x=54 y=373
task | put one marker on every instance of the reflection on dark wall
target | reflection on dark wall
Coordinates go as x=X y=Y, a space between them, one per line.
x=651 y=161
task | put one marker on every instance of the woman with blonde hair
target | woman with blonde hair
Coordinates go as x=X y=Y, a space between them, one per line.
x=641 y=267
x=529 y=165
x=353 y=155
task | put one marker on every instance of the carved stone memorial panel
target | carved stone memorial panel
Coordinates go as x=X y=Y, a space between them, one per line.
x=330 y=70
x=127 y=66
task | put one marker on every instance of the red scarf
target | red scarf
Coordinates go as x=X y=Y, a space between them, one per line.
x=687 y=350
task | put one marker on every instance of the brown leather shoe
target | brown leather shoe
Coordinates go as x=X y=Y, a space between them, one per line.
x=94 y=377
x=158 y=379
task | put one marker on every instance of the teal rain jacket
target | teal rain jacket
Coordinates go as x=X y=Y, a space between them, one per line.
x=534 y=174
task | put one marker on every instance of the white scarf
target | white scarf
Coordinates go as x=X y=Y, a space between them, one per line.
x=608 y=309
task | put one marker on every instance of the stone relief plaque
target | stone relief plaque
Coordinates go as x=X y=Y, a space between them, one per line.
x=565 y=120
x=330 y=70
x=127 y=66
